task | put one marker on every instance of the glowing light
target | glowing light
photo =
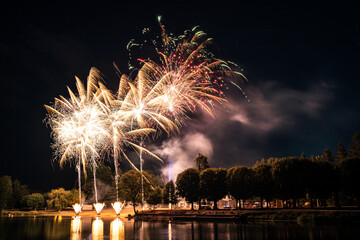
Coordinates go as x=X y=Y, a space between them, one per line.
x=118 y=206
x=78 y=127
x=169 y=231
x=75 y=232
x=98 y=207
x=117 y=230
x=77 y=208
x=97 y=229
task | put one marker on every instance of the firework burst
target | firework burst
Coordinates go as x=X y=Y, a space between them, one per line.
x=187 y=77
x=78 y=126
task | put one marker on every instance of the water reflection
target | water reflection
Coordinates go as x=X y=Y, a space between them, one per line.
x=55 y=229
x=75 y=228
x=115 y=228
x=169 y=231
x=97 y=229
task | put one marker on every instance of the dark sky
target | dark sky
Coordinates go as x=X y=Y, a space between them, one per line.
x=302 y=62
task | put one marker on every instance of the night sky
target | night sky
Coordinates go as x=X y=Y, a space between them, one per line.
x=302 y=62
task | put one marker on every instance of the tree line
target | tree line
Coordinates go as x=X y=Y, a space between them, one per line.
x=296 y=181
x=14 y=195
x=324 y=180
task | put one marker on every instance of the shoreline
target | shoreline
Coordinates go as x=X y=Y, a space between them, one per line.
x=258 y=215
x=243 y=216
x=105 y=213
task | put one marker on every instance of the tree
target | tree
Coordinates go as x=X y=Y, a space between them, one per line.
x=34 y=201
x=239 y=182
x=18 y=192
x=155 y=197
x=130 y=187
x=319 y=179
x=354 y=149
x=213 y=184
x=288 y=175
x=340 y=152
x=350 y=176
x=58 y=198
x=169 y=195
x=5 y=192
x=328 y=155
x=187 y=185
x=201 y=162
x=263 y=183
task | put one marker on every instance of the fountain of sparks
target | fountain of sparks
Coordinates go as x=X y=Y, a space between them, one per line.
x=99 y=207
x=118 y=206
x=77 y=208
x=78 y=127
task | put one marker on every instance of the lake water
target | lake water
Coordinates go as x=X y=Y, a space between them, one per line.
x=98 y=228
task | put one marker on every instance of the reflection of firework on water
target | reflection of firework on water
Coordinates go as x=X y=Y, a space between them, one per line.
x=75 y=227
x=117 y=229
x=97 y=230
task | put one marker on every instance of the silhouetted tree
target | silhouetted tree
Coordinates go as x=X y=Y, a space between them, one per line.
x=289 y=178
x=239 y=181
x=169 y=195
x=350 y=175
x=201 y=162
x=213 y=184
x=5 y=192
x=263 y=183
x=341 y=152
x=354 y=150
x=187 y=185
x=328 y=155
x=18 y=192
x=319 y=179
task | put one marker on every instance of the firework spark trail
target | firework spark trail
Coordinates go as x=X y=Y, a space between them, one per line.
x=84 y=126
x=188 y=76
x=121 y=133
x=78 y=126
x=161 y=97
x=140 y=113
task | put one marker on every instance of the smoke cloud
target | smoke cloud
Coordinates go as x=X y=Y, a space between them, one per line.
x=182 y=151
x=242 y=132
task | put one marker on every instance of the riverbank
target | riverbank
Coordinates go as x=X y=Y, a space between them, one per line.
x=105 y=213
x=298 y=215
x=254 y=215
